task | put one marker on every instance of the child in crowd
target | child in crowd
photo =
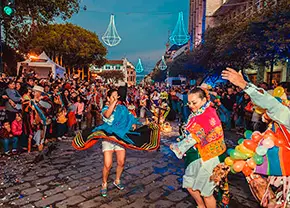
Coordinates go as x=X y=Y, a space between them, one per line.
x=61 y=124
x=17 y=126
x=71 y=122
x=6 y=138
x=80 y=106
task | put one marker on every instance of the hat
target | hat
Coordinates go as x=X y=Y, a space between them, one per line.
x=205 y=86
x=38 y=88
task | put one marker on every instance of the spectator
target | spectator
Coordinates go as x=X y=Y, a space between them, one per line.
x=228 y=100
x=12 y=104
x=79 y=105
x=6 y=137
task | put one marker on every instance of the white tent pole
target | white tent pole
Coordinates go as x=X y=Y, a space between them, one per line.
x=18 y=67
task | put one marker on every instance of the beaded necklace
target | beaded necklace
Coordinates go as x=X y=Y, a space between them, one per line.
x=199 y=111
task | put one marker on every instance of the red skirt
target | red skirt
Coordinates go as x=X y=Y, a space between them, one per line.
x=71 y=119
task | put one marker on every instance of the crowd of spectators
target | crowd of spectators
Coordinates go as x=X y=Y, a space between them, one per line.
x=36 y=111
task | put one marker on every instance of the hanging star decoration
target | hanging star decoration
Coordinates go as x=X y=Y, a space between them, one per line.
x=162 y=66
x=179 y=35
x=139 y=68
x=111 y=36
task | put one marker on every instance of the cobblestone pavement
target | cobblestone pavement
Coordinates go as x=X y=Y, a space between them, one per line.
x=69 y=178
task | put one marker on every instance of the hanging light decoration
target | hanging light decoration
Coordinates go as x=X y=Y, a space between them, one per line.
x=162 y=66
x=111 y=37
x=179 y=35
x=139 y=68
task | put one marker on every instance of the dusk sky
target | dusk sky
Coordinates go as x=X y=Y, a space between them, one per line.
x=143 y=25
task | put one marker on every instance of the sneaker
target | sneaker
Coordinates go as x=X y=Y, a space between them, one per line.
x=14 y=152
x=119 y=185
x=104 y=192
x=59 y=138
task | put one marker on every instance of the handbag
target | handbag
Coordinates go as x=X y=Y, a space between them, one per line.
x=260 y=189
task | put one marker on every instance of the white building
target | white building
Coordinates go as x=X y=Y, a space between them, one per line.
x=124 y=65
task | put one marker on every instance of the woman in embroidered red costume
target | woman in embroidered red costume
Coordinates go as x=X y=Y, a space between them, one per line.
x=201 y=148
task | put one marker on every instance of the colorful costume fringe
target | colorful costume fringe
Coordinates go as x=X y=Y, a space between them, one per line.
x=144 y=138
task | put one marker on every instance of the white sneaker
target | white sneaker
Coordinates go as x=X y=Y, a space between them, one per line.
x=59 y=138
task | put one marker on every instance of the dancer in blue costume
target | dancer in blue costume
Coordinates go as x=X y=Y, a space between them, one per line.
x=119 y=121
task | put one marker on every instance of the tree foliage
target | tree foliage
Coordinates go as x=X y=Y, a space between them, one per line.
x=30 y=15
x=10 y=57
x=112 y=76
x=262 y=39
x=77 y=47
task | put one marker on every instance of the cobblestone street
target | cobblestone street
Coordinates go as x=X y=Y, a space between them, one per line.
x=68 y=178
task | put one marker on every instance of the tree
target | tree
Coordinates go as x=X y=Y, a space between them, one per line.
x=262 y=40
x=30 y=15
x=10 y=57
x=77 y=47
x=113 y=76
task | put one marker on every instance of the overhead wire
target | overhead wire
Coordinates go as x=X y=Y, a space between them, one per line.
x=131 y=13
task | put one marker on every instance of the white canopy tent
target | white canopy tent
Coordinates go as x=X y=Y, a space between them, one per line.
x=42 y=65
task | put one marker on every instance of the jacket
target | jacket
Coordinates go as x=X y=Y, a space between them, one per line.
x=16 y=128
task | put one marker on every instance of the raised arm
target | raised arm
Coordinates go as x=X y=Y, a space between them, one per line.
x=275 y=110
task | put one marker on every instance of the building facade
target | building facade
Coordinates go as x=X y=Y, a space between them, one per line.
x=201 y=16
x=210 y=13
x=237 y=10
x=124 y=65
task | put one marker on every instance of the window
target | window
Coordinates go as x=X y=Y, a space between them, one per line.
x=118 y=67
x=108 y=67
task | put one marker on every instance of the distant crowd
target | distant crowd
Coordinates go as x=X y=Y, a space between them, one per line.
x=36 y=111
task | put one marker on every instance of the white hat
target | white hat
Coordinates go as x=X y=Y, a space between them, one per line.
x=206 y=86
x=38 y=88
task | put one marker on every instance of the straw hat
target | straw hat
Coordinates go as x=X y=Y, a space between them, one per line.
x=38 y=88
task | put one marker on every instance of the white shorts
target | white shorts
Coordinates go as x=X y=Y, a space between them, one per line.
x=110 y=146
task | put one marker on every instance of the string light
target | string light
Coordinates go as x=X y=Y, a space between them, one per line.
x=111 y=36
x=179 y=35
x=139 y=68
x=162 y=66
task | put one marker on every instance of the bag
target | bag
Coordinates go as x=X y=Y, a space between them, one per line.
x=259 y=187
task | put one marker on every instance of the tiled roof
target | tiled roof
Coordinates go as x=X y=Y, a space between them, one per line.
x=114 y=62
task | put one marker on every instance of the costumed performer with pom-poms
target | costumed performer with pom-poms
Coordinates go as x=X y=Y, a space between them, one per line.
x=201 y=148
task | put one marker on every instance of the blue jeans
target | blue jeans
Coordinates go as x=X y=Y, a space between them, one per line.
x=6 y=142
